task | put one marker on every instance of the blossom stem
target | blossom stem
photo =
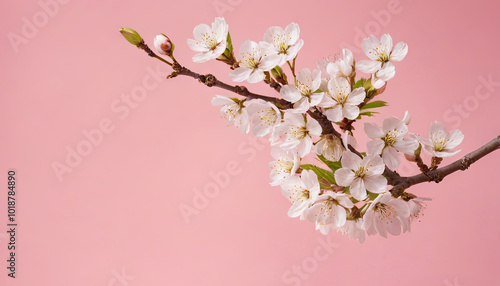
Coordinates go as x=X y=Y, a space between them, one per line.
x=144 y=46
x=163 y=60
x=292 y=68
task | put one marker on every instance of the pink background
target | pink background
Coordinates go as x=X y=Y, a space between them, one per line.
x=117 y=212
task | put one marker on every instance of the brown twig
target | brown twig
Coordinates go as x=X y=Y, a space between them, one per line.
x=210 y=80
x=437 y=175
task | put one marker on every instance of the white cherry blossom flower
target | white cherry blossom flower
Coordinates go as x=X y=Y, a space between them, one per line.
x=389 y=140
x=253 y=63
x=265 y=117
x=380 y=77
x=340 y=102
x=234 y=111
x=211 y=42
x=354 y=229
x=342 y=67
x=301 y=192
x=330 y=147
x=386 y=214
x=285 y=43
x=286 y=164
x=298 y=133
x=441 y=143
x=381 y=55
x=322 y=64
x=303 y=95
x=361 y=175
x=329 y=211
x=416 y=206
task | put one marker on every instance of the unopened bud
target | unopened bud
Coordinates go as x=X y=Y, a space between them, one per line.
x=381 y=89
x=279 y=75
x=407 y=118
x=131 y=36
x=163 y=45
x=411 y=158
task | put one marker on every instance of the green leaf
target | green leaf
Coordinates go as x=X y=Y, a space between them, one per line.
x=374 y=104
x=367 y=113
x=359 y=83
x=332 y=165
x=364 y=83
x=372 y=196
x=325 y=185
x=321 y=173
x=229 y=45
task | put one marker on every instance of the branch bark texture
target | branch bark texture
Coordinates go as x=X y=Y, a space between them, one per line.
x=437 y=175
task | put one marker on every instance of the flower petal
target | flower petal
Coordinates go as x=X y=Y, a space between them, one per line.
x=350 y=161
x=455 y=138
x=344 y=177
x=290 y=93
x=391 y=158
x=335 y=113
x=293 y=32
x=256 y=76
x=240 y=74
x=358 y=189
x=393 y=123
x=369 y=45
x=373 y=131
x=368 y=66
x=407 y=146
x=313 y=127
x=375 y=147
x=399 y=52
x=386 y=42
x=350 y=112
x=195 y=46
x=375 y=184
x=357 y=96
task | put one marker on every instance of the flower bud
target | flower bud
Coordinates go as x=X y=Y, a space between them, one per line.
x=163 y=45
x=131 y=36
x=411 y=158
x=407 y=118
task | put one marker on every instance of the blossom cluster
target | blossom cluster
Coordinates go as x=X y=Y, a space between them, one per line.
x=349 y=192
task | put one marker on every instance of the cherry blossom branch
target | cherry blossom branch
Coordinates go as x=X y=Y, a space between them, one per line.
x=210 y=80
x=437 y=175
x=312 y=189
